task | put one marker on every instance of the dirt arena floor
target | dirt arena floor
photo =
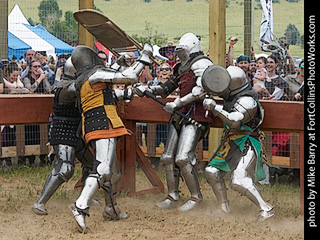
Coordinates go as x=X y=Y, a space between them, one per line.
x=19 y=192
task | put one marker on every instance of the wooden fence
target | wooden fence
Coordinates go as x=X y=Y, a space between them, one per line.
x=35 y=109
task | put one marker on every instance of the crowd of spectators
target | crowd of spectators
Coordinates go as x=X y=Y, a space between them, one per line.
x=38 y=73
x=34 y=73
x=274 y=77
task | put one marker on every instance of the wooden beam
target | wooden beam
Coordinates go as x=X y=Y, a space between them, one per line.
x=279 y=115
x=84 y=37
x=150 y=173
x=248 y=26
x=25 y=108
x=217 y=31
x=4 y=29
x=36 y=108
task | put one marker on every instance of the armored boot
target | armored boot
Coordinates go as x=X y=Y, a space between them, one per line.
x=112 y=211
x=79 y=216
x=61 y=172
x=215 y=179
x=81 y=208
x=190 y=175
x=52 y=184
x=172 y=175
x=254 y=195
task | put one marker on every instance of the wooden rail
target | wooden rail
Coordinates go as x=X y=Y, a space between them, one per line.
x=35 y=109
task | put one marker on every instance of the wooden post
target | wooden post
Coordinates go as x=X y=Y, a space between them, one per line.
x=84 y=37
x=4 y=29
x=248 y=27
x=217 y=31
x=217 y=51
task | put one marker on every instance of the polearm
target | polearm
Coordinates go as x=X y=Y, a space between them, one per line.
x=189 y=119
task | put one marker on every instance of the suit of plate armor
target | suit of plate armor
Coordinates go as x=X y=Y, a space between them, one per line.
x=101 y=124
x=179 y=155
x=67 y=144
x=240 y=149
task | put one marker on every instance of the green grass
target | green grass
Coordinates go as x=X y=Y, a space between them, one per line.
x=20 y=187
x=174 y=18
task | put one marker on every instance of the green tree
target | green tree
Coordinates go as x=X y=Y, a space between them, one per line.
x=66 y=30
x=49 y=14
x=150 y=37
x=292 y=35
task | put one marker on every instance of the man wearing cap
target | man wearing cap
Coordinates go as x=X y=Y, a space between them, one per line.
x=243 y=62
x=168 y=52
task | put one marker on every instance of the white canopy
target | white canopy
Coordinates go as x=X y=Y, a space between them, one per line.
x=17 y=26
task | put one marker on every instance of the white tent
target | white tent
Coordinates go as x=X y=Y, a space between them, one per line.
x=20 y=27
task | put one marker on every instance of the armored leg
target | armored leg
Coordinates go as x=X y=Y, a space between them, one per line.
x=61 y=172
x=186 y=159
x=172 y=172
x=105 y=155
x=85 y=156
x=215 y=179
x=112 y=211
x=242 y=182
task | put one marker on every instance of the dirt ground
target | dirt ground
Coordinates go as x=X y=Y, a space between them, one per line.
x=17 y=195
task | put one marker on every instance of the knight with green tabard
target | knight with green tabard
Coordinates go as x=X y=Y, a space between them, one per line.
x=240 y=147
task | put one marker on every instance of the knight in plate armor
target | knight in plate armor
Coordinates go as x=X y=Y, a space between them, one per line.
x=179 y=154
x=240 y=148
x=101 y=125
x=67 y=143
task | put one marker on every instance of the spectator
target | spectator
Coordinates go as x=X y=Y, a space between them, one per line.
x=103 y=56
x=299 y=96
x=276 y=85
x=43 y=58
x=288 y=66
x=36 y=81
x=162 y=130
x=28 y=56
x=295 y=82
x=243 y=63
x=259 y=78
x=278 y=88
x=230 y=54
x=168 y=51
x=155 y=80
x=253 y=55
x=1 y=78
x=252 y=70
x=59 y=71
x=12 y=81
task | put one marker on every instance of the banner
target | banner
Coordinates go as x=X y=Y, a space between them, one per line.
x=266 y=28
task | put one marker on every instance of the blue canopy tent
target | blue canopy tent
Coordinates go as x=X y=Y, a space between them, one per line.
x=16 y=46
x=60 y=46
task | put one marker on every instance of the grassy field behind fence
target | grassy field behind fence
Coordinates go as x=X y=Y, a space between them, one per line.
x=174 y=18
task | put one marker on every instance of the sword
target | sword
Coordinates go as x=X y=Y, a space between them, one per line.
x=189 y=119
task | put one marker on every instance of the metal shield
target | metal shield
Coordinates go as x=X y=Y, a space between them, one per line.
x=216 y=80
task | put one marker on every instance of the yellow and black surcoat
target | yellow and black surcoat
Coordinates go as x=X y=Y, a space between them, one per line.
x=99 y=116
